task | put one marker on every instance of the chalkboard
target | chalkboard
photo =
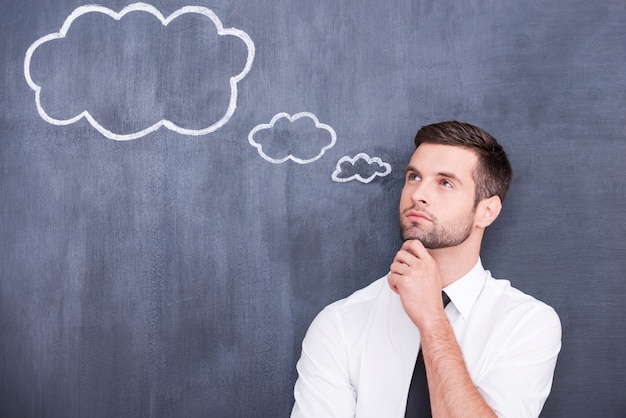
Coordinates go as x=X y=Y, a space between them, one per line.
x=185 y=185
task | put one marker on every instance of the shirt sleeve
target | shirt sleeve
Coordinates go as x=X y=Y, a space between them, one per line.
x=519 y=382
x=323 y=388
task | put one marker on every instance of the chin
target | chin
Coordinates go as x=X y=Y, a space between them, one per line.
x=411 y=233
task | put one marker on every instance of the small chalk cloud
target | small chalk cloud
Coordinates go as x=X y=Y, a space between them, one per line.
x=361 y=167
x=132 y=72
x=300 y=138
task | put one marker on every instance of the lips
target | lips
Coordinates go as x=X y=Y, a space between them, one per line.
x=417 y=216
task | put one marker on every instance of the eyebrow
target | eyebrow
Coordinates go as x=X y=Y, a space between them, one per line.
x=451 y=176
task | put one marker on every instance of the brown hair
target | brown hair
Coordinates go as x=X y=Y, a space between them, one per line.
x=493 y=173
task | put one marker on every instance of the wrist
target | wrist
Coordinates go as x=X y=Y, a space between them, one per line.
x=433 y=325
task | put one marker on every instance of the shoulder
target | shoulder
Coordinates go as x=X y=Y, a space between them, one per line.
x=514 y=311
x=514 y=301
x=355 y=305
x=348 y=316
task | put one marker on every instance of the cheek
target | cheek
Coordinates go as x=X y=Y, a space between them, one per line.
x=405 y=197
x=458 y=205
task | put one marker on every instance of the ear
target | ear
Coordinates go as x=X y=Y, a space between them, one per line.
x=487 y=211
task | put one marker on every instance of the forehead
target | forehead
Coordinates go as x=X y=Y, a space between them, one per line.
x=432 y=159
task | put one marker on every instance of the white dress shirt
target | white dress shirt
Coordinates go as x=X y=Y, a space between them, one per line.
x=359 y=353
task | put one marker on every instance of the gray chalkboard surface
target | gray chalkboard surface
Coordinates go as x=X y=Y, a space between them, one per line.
x=185 y=185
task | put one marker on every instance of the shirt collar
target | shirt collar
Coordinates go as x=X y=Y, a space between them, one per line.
x=464 y=291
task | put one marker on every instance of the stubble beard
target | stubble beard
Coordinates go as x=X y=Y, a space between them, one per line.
x=435 y=236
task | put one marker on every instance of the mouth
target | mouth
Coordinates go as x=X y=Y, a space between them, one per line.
x=417 y=216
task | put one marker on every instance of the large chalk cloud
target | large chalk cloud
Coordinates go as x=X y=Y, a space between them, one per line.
x=132 y=72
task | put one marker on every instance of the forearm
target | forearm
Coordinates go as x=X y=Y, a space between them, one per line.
x=452 y=392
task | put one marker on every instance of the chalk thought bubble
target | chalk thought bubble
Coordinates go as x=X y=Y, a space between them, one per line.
x=361 y=167
x=132 y=72
x=300 y=138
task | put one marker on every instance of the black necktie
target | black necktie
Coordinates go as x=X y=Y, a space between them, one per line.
x=418 y=402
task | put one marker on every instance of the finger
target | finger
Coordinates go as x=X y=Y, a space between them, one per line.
x=416 y=248
x=399 y=267
x=405 y=257
x=391 y=280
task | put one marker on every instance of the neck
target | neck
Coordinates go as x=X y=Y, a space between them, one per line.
x=455 y=262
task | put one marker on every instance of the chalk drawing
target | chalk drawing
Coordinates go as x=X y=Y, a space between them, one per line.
x=144 y=8
x=361 y=167
x=300 y=138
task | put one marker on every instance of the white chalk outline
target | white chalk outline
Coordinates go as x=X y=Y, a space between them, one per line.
x=369 y=160
x=292 y=119
x=165 y=21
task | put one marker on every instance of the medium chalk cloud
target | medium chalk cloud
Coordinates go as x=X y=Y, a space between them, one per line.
x=300 y=138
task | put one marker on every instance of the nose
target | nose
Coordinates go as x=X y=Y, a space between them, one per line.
x=419 y=195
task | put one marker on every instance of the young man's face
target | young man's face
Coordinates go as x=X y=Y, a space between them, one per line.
x=437 y=201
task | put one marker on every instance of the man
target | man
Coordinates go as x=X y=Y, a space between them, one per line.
x=490 y=352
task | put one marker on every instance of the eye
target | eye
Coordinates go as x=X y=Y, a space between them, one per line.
x=411 y=176
x=447 y=184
